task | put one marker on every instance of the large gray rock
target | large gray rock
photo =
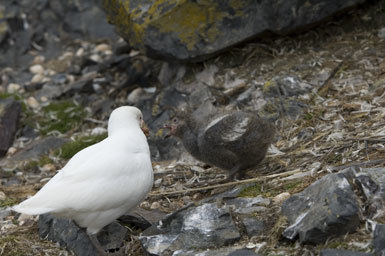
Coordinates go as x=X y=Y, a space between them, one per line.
x=379 y=240
x=194 y=227
x=34 y=151
x=194 y=230
x=371 y=181
x=195 y=30
x=9 y=118
x=69 y=235
x=325 y=209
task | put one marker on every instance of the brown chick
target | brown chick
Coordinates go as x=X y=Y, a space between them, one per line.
x=233 y=141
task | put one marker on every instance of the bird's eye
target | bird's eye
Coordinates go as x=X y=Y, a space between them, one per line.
x=175 y=120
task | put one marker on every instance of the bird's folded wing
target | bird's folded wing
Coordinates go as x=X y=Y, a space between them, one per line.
x=95 y=180
x=227 y=128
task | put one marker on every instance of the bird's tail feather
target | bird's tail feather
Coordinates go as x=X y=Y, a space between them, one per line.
x=27 y=208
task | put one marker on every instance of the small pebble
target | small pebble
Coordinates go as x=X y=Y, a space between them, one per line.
x=13 y=88
x=155 y=205
x=134 y=96
x=32 y=102
x=145 y=205
x=38 y=78
x=11 y=151
x=278 y=199
x=2 y=195
x=70 y=79
x=381 y=33
x=186 y=199
x=50 y=72
x=66 y=56
x=43 y=99
x=96 y=58
x=36 y=69
x=102 y=48
x=80 y=52
x=25 y=219
x=108 y=52
x=98 y=130
x=197 y=196
x=48 y=168
x=38 y=59
x=96 y=87
x=157 y=182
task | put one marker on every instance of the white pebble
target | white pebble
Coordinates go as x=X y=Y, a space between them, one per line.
x=145 y=205
x=102 y=47
x=157 y=182
x=80 y=52
x=11 y=151
x=66 y=56
x=38 y=59
x=25 y=219
x=96 y=87
x=48 y=168
x=50 y=72
x=36 y=69
x=38 y=78
x=98 y=130
x=278 y=199
x=32 y=102
x=13 y=88
x=134 y=96
x=155 y=205
x=70 y=78
x=108 y=52
x=2 y=195
x=95 y=58
x=43 y=99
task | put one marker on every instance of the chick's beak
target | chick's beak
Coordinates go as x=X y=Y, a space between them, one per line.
x=168 y=127
x=144 y=128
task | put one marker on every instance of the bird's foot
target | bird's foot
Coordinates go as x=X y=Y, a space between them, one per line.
x=235 y=173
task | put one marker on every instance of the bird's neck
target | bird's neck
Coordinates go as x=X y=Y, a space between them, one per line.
x=190 y=142
x=134 y=139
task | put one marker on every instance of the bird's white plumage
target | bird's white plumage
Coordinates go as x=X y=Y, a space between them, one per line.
x=101 y=182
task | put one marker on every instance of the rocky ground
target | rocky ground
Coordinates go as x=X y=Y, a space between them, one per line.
x=324 y=90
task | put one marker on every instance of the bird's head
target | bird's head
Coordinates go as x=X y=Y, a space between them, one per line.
x=125 y=116
x=176 y=126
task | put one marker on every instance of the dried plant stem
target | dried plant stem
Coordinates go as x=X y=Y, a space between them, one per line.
x=262 y=178
x=362 y=164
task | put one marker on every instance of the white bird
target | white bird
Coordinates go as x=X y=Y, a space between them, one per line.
x=101 y=182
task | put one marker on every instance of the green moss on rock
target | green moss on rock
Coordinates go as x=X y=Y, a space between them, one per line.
x=69 y=149
x=8 y=202
x=61 y=116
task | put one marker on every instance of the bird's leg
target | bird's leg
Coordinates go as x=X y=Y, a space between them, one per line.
x=94 y=240
x=235 y=173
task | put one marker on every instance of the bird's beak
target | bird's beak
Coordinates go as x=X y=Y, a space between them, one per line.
x=167 y=126
x=144 y=128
